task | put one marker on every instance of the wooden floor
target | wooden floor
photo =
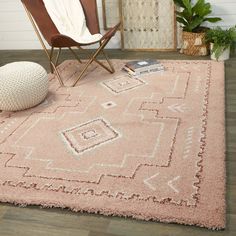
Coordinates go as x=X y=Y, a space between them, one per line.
x=35 y=221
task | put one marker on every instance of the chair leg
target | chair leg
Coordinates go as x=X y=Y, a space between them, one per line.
x=53 y=65
x=57 y=73
x=104 y=66
x=101 y=64
x=50 y=58
x=111 y=69
x=109 y=62
x=57 y=57
x=93 y=58
x=75 y=55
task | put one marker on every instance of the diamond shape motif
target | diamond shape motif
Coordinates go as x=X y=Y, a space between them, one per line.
x=89 y=135
x=122 y=84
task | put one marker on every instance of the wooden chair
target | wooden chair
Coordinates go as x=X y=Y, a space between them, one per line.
x=45 y=28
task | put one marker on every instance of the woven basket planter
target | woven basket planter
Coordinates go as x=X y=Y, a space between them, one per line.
x=194 y=44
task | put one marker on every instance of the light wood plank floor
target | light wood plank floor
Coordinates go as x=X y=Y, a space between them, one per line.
x=35 y=221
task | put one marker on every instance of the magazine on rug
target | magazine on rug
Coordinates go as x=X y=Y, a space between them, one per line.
x=139 y=67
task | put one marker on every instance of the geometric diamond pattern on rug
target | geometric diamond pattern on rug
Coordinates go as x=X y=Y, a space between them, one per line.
x=89 y=135
x=122 y=83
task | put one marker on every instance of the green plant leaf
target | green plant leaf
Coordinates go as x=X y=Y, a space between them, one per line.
x=192 y=15
x=181 y=14
x=187 y=6
x=203 y=10
x=179 y=3
x=186 y=15
x=206 y=10
x=195 y=23
x=218 y=50
x=198 y=6
x=222 y=39
x=212 y=19
x=182 y=21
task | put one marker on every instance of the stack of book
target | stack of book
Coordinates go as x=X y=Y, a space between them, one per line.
x=141 y=67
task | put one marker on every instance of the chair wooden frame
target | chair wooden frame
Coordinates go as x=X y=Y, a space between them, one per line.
x=50 y=52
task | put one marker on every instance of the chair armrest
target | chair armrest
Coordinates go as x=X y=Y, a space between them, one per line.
x=111 y=32
x=60 y=40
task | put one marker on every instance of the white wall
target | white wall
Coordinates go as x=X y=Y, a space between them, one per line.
x=226 y=9
x=16 y=31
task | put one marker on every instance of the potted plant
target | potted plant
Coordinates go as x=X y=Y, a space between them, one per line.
x=222 y=41
x=191 y=16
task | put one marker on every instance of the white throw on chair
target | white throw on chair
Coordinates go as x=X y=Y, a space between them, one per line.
x=22 y=85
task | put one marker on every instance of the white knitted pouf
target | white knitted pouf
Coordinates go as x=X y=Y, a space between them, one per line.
x=22 y=85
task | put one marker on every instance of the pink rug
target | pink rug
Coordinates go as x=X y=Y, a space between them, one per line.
x=150 y=148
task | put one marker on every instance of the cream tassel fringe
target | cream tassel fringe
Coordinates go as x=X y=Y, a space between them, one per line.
x=198 y=42
x=203 y=51
x=185 y=45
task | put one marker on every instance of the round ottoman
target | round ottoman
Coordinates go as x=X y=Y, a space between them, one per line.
x=22 y=85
